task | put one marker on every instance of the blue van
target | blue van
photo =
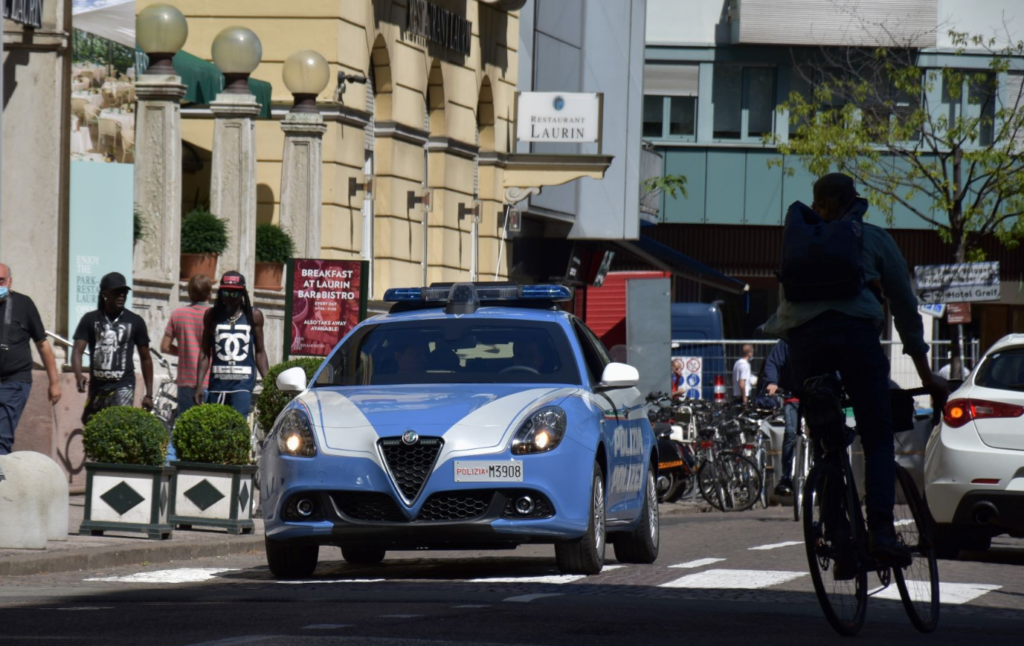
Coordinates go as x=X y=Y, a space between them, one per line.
x=700 y=322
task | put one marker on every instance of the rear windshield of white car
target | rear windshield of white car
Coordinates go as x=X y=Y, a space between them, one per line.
x=1002 y=370
x=453 y=351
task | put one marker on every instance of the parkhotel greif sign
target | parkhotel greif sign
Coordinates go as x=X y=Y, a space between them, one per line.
x=558 y=117
x=964 y=282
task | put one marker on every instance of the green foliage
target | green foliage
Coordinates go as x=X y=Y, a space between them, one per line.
x=214 y=434
x=125 y=435
x=935 y=142
x=88 y=48
x=272 y=401
x=203 y=232
x=138 y=226
x=273 y=244
x=670 y=185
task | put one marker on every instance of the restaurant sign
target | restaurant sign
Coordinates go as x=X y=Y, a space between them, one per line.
x=27 y=12
x=440 y=26
x=562 y=117
x=325 y=299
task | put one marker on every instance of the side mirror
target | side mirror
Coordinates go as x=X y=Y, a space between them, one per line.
x=292 y=380
x=618 y=375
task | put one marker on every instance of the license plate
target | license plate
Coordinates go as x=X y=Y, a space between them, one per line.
x=507 y=471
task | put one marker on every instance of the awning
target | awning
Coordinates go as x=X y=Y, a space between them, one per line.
x=203 y=81
x=112 y=19
x=668 y=259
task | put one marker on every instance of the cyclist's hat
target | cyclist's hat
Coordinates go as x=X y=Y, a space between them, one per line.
x=839 y=186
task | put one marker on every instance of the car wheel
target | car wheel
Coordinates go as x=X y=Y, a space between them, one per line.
x=586 y=555
x=362 y=555
x=288 y=561
x=641 y=544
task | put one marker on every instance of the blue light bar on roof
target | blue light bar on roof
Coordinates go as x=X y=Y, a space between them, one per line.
x=468 y=292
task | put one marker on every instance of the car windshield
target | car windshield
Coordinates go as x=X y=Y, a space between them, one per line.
x=453 y=351
x=1002 y=370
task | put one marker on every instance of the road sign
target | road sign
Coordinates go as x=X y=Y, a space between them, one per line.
x=958 y=283
x=937 y=310
x=692 y=376
x=693 y=393
x=958 y=313
x=693 y=380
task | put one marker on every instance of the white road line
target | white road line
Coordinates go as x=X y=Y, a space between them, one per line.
x=689 y=565
x=775 y=546
x=733 y=579
x=182 y=575
x=609 y=568
x=326 y=626
x=954 y=594
x=527 y=598
x=556 y=579
x=904 y=521
x=331 y=581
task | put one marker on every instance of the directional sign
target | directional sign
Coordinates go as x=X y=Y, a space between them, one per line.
x=958 y=283
x=935 y=309
x=958 y=313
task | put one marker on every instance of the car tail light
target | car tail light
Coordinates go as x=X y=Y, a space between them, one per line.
x=960 y=411
x=707 y=444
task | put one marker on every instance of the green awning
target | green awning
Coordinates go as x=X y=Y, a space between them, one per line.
x=203 y=81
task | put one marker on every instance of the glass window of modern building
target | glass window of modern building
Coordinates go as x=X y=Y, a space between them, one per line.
x=670 y=101
x=744 y=101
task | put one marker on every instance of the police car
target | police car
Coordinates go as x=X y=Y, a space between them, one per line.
x=472 y=416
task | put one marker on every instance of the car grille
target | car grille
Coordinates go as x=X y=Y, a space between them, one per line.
x=455 y=505
x=368 y=506
x=410 y=465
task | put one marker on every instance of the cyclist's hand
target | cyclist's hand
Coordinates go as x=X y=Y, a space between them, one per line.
x=937 y=387
x=771 y=389
x=82 y=383
x=198 y=398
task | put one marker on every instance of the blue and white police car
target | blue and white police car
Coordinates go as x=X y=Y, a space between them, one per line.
x=472 y=416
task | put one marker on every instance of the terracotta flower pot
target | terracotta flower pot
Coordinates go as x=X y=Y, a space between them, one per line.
x=193 y=264
x=268 y=275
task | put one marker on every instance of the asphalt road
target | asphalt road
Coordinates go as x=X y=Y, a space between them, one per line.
x=761 y=596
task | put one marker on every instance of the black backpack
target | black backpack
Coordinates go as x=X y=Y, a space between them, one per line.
x=821 y=260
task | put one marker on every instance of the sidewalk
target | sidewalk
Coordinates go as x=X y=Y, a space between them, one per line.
x=117 y=549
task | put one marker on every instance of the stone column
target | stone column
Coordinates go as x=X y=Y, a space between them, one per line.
x=301 y=181
x=158 y=197
x=233 y=179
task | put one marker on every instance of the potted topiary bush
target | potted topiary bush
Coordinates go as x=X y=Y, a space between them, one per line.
x=273 y=248
x=204 y=236
x=213 y=478
x=127 y=488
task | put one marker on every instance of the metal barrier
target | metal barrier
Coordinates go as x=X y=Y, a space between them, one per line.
x=717 y=359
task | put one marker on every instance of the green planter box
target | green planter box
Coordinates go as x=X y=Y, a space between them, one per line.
x=212 y=495
x=127 y=498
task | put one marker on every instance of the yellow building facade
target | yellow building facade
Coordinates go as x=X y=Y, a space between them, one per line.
x=429 y=119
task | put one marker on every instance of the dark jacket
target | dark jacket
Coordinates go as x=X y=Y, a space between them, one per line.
x=776 y=368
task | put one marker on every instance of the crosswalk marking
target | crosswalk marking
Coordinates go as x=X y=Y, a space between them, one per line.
x=775 y=546
x=733 y=579
x=689 y=565
x=954 y=594
x=315 y=581
x=556 y=579
x=180 y=575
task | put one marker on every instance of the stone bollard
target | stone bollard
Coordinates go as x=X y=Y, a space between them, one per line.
x=33 y=501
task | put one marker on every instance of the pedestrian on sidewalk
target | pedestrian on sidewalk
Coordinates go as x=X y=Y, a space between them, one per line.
x=112 y=333
x=741 y=374
x=232 y=348
x=183 y=338
x=20 y=323
x=777 y=376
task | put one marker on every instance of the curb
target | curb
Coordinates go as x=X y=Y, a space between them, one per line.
x=119 y=555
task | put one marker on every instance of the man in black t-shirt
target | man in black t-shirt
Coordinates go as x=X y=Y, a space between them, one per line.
x=112 y=334
x=19 y=324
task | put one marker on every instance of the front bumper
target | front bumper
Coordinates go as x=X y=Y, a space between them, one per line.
x=955 y=459
x=339 y=485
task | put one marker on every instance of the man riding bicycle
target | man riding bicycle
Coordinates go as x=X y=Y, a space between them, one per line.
x=841 y=333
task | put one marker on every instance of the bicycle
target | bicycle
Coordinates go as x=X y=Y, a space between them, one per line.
x=835 y=533
x=165 y=403
x=803 y=460
x=757 y=450
x=727 y=479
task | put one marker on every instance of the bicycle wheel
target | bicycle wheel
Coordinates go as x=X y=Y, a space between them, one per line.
x=762 y=469
x=743 y=482
x=839 y=576
x=918 y=583
x=710 y=485
x=798 y=476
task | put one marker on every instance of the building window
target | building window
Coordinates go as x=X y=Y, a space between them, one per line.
x=654 y=116
x=972 y=96
x=670 y=101
x=744 y=101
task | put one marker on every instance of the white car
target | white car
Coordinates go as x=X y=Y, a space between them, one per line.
x=974 y=463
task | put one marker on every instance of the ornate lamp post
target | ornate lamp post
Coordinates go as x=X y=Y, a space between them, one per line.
x=236 y=52
x=306 y=75
x=161 y=30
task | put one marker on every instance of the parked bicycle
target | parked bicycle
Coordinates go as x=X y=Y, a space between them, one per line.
x=165 y=403
x=727 y=479
x=835 y=533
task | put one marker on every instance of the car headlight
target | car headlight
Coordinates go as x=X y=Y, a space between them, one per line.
x=541 y=432
x=295 y=435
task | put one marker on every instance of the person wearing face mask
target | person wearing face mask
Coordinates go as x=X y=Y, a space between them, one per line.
x=112 y=333
x=232 y=347
x=20 y=323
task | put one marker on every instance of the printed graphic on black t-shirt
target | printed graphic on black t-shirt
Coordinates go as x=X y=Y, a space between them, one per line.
x=112 y=341
x=233 y=347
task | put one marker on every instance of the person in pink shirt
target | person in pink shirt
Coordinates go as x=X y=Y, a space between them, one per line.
x=183 y=339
